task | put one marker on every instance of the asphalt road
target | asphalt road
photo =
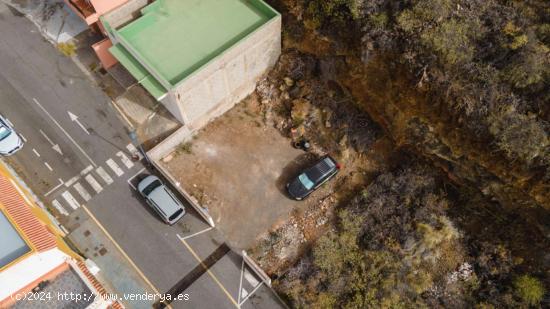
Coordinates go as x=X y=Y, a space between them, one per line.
x=76 y=157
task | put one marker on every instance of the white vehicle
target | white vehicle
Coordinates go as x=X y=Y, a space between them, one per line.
x=10 y=142
x=163 y=201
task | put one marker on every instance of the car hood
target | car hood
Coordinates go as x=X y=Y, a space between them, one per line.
x=9 y=143
x=145 y=182
x=296 y=189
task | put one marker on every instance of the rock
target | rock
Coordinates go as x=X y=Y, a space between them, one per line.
x=285 y=95
x=289 y=81
x=294 y=92
x=300 y=109
x=168 y=158
x=343 y=141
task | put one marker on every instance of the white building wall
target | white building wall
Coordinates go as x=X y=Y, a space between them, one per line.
x=229 y=78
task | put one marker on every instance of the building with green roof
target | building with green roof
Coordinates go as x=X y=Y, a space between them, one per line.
x=197 y=57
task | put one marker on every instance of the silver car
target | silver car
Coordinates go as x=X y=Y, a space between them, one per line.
x=161 y=199
x=10 y=142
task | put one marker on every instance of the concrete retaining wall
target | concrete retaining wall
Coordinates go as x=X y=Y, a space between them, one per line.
x=169 y=144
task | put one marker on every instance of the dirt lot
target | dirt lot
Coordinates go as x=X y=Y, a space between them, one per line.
x=238 y=167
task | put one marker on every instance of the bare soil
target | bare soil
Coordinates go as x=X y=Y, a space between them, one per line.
x=238 y=167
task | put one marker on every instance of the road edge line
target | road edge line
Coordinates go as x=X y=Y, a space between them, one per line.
x=140 y=273
x=209 y=271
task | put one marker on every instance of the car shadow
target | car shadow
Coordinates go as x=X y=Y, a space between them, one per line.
x=293 y=169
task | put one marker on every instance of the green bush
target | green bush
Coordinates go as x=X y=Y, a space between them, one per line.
x=529 y=289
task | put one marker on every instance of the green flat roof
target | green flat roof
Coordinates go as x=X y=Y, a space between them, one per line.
x=138 y=71
x=173 y=38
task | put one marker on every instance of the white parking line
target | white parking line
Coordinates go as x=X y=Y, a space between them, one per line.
x=23 y=137
x=80 y=189
x=119 y=172
x=85 y=171
x=59 y=208
x=127 y=162
x=197 y=233
x=70 y=199
x=48 y=166
x=131 y=178
x=95 y=185
x=104 y=175
x=36 y=152
x=56 y=187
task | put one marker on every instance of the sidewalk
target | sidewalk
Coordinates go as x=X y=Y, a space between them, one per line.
x=52 y=17
x=116 y=275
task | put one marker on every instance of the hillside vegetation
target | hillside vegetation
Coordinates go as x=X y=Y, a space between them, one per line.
x=461 y=87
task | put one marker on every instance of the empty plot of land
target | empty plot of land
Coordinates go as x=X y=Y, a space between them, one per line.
x=238 y=168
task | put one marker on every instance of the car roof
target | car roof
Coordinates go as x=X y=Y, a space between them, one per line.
x=164 y=200
x=322 y=168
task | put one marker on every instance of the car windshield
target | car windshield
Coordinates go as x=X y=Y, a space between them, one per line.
x=4 y=132
x=308 y=184
x=176 y=214
x=155 y=184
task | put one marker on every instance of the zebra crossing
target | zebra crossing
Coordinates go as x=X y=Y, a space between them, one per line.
x=90 y=182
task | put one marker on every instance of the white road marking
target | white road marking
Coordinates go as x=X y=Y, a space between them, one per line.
x=133 y=150
x=71 y=181
x=48 y=166
x=46 y=137
x=131 y=178
x=70 y=199
x=74 y=118
x=103 y=174
x=251 y=293
x=56 y=187
x=197 y=233
x=36 y=152
x=127 y=162
x=23 y=137
x=244 y=293
x=118 y=171
x=83 y=192
x=59 y=208
x=55 y=147
x=65 y=132
x=86 y=170
x=250 y=278
x=95 y=185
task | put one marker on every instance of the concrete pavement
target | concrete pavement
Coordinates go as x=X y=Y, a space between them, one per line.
x=78 y=162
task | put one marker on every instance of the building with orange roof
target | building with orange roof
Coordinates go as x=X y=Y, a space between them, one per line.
x=34 y=259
